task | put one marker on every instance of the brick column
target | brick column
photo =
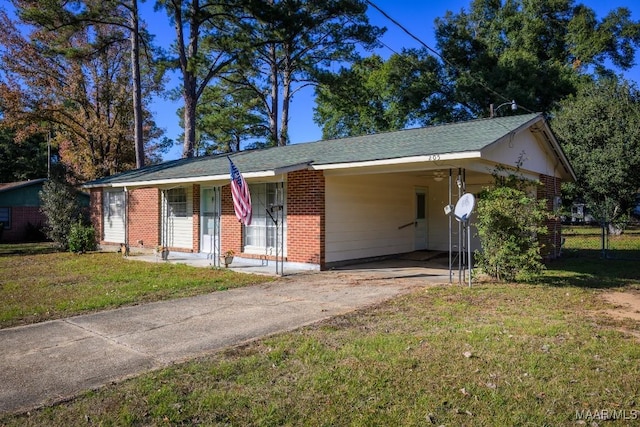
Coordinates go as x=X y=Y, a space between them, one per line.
x=306 y=217
x=230 y=227
x=144 y=217
x=95 y=212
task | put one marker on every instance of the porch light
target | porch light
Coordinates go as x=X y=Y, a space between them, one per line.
x=438 y=176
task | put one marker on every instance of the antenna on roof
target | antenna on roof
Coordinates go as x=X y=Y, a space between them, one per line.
x=492 y=110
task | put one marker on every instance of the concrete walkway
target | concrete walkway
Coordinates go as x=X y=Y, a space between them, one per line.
x=49 y=362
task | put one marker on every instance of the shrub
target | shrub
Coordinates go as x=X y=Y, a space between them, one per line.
x=60 y=206
x=82 y=238
x=509 y=221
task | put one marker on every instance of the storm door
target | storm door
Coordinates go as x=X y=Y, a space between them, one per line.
x=210 y=221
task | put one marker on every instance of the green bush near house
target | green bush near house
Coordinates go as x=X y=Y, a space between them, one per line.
x=82 y=238
x=62 y=209
x=509 y=221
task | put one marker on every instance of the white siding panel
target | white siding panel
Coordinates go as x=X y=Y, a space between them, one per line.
x=114 y=229
x=364 y=213
x=439 y=222
x=534 y=153
x=181 y=232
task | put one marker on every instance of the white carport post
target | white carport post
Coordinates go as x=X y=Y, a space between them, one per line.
x=464 y=230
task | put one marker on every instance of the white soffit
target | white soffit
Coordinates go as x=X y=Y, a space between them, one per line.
x=210 y=178
x=399 y=161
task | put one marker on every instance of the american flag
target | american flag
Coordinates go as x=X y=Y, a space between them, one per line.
x=240 y=194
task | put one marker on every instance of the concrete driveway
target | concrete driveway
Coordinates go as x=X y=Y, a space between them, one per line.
x=49 y=362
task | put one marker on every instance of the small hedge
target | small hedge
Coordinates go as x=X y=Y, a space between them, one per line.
x=82 y=238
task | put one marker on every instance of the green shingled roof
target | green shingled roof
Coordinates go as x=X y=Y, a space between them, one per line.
x=443 y=139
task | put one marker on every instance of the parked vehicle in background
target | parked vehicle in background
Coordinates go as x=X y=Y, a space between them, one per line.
x=579 y=215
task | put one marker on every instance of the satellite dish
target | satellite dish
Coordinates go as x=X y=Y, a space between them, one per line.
x=464 y=207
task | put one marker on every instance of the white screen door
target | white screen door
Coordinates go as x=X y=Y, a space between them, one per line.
x=210 y=221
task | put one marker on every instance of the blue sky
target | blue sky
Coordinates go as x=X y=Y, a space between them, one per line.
x=416 y=15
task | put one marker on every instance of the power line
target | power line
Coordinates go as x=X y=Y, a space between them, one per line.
x=436 y=53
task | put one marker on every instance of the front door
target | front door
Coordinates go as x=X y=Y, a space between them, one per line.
x=210 y=221
x=421 y=219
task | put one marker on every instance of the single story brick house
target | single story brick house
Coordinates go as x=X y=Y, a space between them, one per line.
x=331 y=202
x=20 y=210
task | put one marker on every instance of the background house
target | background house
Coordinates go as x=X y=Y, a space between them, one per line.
x=20 y=210
x=331 y=202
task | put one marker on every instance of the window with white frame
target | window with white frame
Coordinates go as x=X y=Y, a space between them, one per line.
x=5 y=217
x=114 y=203
x=177 y=201
x=262 y=234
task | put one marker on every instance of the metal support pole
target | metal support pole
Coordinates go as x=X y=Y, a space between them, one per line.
x=450 y=229
x=126 y=219
x=460 y=228
x=469 y=249
x=282 y=202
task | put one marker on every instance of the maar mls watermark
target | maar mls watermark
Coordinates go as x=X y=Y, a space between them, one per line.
x=608 y=414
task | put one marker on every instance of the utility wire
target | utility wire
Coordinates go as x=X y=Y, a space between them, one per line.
x=436 y=53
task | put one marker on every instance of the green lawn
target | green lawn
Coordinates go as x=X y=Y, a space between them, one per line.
x=37 y=283
x=494 y=354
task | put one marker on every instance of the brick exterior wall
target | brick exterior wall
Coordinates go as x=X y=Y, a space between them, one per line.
x=552 y=241
x=95 y=212
x=143 y=217
x=306 y=217
x=21 y=217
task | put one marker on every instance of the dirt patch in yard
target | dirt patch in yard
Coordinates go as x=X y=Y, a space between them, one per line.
x=626 y=306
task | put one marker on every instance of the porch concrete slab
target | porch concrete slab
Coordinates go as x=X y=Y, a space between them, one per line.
x=50 y=362
x=241 y=265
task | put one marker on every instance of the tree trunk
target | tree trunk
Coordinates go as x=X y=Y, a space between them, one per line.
x=137 y=90
x=190 y=103
x=273 y=114
x=286 y=100
x=189 y=92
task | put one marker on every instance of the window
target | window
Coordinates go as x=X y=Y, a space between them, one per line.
x=114 y=203
x=421 y=206
x=260 y=236
x=5 y=217
x=177 y=200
